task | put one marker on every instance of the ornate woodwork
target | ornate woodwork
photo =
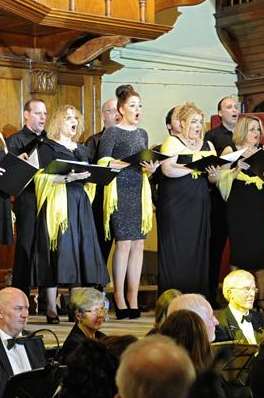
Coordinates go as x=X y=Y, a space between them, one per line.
x=240 y=27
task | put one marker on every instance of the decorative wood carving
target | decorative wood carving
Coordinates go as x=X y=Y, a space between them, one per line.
x=240 y=27
x=44 y=81
x=95 y=47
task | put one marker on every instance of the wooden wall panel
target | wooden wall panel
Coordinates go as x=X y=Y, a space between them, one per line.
x=11 y=89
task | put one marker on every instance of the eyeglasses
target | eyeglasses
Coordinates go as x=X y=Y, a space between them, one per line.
x=111 y=111
x=247 y=289
x=96 y=311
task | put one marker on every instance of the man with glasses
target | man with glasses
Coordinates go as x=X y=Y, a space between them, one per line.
x=238 y=320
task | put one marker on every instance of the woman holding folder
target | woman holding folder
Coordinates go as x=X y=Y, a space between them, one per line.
x=244 y=193
x=66 y=250
x=127 y=203
x=183 y=208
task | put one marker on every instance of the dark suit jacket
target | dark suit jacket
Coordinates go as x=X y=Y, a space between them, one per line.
x=36 y=355
x=74 y=339
x=232 y=330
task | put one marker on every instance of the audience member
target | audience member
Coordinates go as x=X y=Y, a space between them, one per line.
x=188 y=330
x=88 y=306
x=154 y=367
x=16 y=355
x=161 y=308
x=117 y=344
x=238 y=320
x=199 y=305
x=91 y=372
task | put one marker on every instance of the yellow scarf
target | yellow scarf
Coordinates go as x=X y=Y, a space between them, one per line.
x=56 y=197
x=174 y=147
x=111 y=201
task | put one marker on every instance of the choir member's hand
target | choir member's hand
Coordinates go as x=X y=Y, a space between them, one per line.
x=212 y=173
x=242 y=165
x=118 y=164
x=61 y=179
x=23 y=156
x=2 y=171
x=150 y=167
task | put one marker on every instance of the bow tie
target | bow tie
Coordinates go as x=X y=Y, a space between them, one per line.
x=247 y=317
x=15 y=340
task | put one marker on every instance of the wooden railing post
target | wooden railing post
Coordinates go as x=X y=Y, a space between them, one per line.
x=142 y=10
x=72 y=5
x=108 y=8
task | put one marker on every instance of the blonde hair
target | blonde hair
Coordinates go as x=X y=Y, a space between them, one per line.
x=232 y=279
x=162 y=305
x=56 y=123
x=241 y=129
x=185 y=115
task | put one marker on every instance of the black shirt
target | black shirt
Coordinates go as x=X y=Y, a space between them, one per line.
x=221 y=137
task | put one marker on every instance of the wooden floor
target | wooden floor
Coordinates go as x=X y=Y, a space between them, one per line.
x=137 y=327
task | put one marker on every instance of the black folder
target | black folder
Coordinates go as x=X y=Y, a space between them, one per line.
x=256 y=163
x=206 y=161
x=99 y=175
x=145 y=156
x=18 y=174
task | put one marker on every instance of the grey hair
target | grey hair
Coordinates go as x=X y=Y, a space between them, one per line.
x=84 y=298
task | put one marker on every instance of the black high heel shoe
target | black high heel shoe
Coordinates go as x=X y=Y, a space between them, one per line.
x=134 y=313
x=51 y=320
x=121 y=313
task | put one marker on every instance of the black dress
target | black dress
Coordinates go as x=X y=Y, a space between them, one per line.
x=183 y=222
x=78 y=259
x=245 y=219
x=6 y=230
x=119 y=144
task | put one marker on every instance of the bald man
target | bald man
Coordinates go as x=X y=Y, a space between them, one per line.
x=199 y=305
x=16 y=357
x=110 y=117
x=238 y=319
x=154 y=367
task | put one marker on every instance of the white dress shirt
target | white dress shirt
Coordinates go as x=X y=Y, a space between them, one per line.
x=245 y=326
x=17 y=355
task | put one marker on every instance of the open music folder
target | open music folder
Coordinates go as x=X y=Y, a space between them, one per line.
x=256 y=163
x=146 y=155
x=17 y=176
x=99 y=175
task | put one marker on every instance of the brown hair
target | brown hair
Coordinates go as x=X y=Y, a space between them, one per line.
x=123 y=92
x=187 y=329
x=27 y=106
x=241 y=129
x=57 y=120
x=162 y=305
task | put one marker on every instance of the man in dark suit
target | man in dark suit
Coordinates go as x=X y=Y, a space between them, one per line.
x=238 y=320
x=16 y=355
x=110 y=117
x=221 y=137
x=25 y=143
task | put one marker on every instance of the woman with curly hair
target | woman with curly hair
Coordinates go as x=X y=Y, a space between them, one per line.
x=66 y=249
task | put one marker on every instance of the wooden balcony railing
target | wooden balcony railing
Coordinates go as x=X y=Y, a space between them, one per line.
x=220 y=4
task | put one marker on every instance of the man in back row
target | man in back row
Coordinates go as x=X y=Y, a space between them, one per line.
x=221 y=137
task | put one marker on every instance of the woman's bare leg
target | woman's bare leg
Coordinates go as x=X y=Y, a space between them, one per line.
x=134 y=269
x=120 y=262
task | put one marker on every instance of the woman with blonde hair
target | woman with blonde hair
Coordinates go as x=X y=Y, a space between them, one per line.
x=244 y=193
x=183 y=208
x=66 y=249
